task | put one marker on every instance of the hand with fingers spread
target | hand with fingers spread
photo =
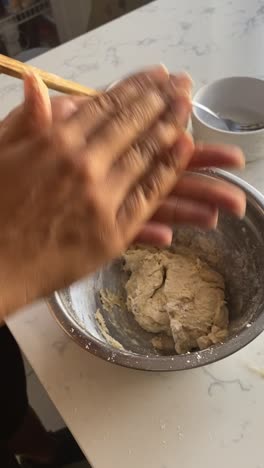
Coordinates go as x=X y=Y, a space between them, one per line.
x=75 y=193
x=81 y=179
x=195 y=200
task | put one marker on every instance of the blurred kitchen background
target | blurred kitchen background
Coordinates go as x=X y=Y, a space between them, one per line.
x=31 y=27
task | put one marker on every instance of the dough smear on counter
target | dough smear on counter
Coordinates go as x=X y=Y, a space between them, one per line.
x=177 y=296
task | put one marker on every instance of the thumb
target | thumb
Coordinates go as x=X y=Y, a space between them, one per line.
x=34 y=115
x=37 y=104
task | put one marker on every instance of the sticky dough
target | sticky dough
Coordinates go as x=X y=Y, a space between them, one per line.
x=177 y=296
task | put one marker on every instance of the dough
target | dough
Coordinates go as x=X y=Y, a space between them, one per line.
x=178 y=296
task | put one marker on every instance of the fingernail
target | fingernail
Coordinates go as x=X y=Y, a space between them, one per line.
x=164 y=68
x=159 y=71
x=242 y=209
x=215 y=220
x=34 y=80
x=236 y=153
x=241 y=161
x=208 y=215
x=167 y=239
x=29 y=84
x=37 y=100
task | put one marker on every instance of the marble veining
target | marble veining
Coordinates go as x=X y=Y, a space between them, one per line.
x=221 y=383
x=205 y=39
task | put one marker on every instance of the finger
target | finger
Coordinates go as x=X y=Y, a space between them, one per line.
x=180 y=81
x=140 y=157
x=156 y=234
x=226 y=156
x=65 y=107
x=200 y=188
x=143 y=200
x=33 y=115
x=91 y=115
x=37 y=105
x=183 y=81
x=123 y=130
x=189 y=212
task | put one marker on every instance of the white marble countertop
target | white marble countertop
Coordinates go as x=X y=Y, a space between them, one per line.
x=196 y=419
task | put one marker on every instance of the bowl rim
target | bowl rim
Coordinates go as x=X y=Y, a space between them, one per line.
x=163 y=363
x=205 y=87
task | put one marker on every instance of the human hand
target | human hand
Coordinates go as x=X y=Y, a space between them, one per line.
x=75 y=193
x=195 y=200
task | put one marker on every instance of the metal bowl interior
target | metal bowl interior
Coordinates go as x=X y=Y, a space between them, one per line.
x=235 y=249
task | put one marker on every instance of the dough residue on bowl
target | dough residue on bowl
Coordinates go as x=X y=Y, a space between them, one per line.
x=109 y=299
x=105 y=332
x=178 y=297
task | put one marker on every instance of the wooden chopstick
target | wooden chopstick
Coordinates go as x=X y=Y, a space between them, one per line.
x=14 y=68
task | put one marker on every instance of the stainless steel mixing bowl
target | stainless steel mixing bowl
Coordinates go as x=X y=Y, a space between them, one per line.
x=236 y=249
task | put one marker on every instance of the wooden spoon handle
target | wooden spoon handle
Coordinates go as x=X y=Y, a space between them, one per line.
x=13 y=67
